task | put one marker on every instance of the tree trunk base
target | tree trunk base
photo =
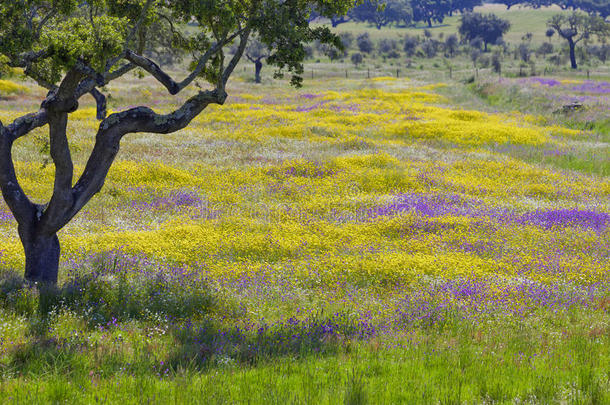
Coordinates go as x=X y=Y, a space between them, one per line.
x=42 y=259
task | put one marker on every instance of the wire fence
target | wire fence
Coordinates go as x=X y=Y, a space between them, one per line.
x=435 y=74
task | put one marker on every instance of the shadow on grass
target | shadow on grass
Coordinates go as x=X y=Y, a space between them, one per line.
x=192 y=339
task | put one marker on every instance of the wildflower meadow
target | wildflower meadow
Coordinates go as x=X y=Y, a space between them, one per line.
x=354 y=241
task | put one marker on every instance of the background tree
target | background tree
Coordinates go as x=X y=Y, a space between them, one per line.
x=463 y=6
x=488 y=27
x=383 y=12
x=576 y=27
x=430 y=11
x=509 y=3
x=357 y=59
x=496 y=63
x=76 y=47
x=256 y=52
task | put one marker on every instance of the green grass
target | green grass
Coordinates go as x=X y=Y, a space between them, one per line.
x=522 y=20
x=560 y=359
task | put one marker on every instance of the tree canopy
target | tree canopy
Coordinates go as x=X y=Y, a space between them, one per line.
x=75 y=47
x=488 y=27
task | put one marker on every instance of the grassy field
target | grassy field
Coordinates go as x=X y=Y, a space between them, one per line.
x=412 y=240
x=522 y=20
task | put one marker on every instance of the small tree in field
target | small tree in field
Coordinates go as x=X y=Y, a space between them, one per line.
x=357 y=59
x=76 y=47
x=488 y=27
x=256 y=51
x=576 y=27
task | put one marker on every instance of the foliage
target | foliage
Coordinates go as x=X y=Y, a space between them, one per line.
x=410 y=44
x=430 y=11
x=364 y=42
x=488 y=27
x=382 y=13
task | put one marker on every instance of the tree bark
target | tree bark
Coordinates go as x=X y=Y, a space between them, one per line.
x=572 y=53
x=41 y=256
x=258 y=66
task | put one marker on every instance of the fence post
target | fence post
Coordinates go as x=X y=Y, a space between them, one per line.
x=368 y=73
x=346 y=73
x=397 y=73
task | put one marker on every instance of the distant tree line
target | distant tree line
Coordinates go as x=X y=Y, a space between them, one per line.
x=598 y=7
x=381 y=13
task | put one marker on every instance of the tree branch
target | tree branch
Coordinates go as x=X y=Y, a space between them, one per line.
x=243 y=41
x=22 y=208
x=58 y=104
x=140 y=119
x=24 y=125
x=62 y=198
x=170 y=84
x=23 y=60
x=100 y=101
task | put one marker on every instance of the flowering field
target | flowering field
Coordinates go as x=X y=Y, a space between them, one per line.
x=321 y=246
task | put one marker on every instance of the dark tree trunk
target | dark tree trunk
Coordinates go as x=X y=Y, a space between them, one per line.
x=41 y=257
x=429 y=23
x=572 y=53
x=485 y=46
x=258 y=66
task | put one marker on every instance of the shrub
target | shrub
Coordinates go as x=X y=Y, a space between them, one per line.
x=429 y=48
x=545 y=49
x=347 y=39
x=410 y=45
x=365 y=45
x=387 y=45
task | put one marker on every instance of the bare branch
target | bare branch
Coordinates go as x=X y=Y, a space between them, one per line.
x=170 y=84
x=243 y=41
x=22 y=208
x=24 y=125
x=25 y=59
x=100 y=101
x=61 y=201
x=44 y=20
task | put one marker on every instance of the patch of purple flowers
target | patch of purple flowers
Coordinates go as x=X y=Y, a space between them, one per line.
x=567 y=217
x=313 y=107
x=309 y=96
x=5 y=216
x=179 y=198
x=544 y=81
x=593 y=87
x=431 y=206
